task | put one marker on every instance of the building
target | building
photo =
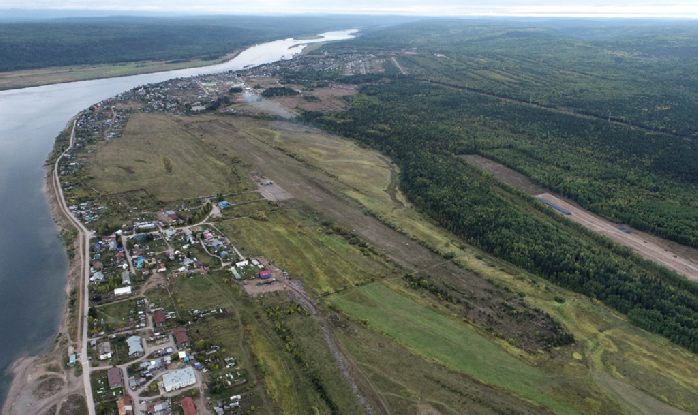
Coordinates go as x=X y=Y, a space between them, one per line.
x=181 y=337
x=104 y=351
x=97 y=277
x=188 y=406
x=122 y=291
x=125 y=405
x=159 y=318
x=265 y=274
x=135 y=349
x=179 y=379
x=159 y=408
x=126 y=278
x=73 y=360
x=114 y=377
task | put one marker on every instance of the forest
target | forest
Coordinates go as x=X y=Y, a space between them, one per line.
x=81 y=41
x=628 y=174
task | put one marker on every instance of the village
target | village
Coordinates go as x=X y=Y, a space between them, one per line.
x=145 y=354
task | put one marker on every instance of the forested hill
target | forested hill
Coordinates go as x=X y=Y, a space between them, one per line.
x=643 y=76
x=629 y=174
x=30 y=45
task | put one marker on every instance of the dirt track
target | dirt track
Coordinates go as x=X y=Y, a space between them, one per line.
x=645 y=248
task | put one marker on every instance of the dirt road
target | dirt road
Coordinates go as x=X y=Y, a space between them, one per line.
x=647 y=249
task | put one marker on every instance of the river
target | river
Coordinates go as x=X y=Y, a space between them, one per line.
x=33 y=262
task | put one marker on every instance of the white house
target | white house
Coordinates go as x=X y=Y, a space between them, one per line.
x=104 y=351
x=179 y=379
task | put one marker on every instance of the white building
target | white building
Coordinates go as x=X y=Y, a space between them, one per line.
x=179 y=379
x=122 y=291
x=104 y=351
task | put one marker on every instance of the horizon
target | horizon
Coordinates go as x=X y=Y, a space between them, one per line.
x=498 y=9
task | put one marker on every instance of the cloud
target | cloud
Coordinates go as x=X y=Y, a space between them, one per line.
x=617 y=8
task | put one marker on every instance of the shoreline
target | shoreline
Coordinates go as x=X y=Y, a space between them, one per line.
x=145 y=71
x=28 y=372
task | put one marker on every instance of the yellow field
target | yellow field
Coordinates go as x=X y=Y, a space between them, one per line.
x=158 y=153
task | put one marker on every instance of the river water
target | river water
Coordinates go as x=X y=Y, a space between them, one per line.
x=33 y=263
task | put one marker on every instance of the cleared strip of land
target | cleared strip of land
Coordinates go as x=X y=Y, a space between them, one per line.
x=636 y=242
x=648 y=248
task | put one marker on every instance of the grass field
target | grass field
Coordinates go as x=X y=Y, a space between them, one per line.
x=613 y=366
x=141 y=159
x=325 y=263
x=435 y=336
x=54 y=75
x=115 y=314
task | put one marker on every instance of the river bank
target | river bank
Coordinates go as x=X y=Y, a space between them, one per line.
x=33 y=388
x=35 y=267
x=62 y=74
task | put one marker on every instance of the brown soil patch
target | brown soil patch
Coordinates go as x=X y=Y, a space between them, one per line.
x=48 y=387
x=505 y=174
x=647 y=249
x=326 y=100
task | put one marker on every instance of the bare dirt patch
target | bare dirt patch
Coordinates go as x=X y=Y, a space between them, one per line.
x=277 y=281
x=269 y=189
x=505 y=174
x=320 y=99
x=647 y=249
x=48 y=387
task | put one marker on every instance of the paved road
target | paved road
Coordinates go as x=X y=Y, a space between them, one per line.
x=84 y=236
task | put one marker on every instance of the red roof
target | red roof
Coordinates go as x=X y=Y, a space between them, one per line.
x=159 y=317
x=188 y=406
x=265 y=274
x=114 y=377
x=181 y=335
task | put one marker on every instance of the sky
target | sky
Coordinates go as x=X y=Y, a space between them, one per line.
x=561 y=8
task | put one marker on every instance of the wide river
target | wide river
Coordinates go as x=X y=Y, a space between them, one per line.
x=33 y=263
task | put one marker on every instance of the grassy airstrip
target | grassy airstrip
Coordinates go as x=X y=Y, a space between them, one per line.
x=416 y=353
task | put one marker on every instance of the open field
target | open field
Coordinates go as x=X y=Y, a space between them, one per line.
x=61 y=74
x=323 y=262
x=647 y=249
x=156 y=154
x=458 y=347
x=332 y=178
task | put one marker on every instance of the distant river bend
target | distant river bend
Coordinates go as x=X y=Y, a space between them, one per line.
x=33 y=263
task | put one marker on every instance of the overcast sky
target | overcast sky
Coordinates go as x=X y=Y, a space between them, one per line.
x=597 y=8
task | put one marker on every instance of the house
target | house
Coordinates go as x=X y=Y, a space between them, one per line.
x=97 y=277
x=171 y=214
x=179 y=379
x=264 y=274
x=188 y=406
x=125 y=405
x=112 y=246
x=242 y=263
x=122 y=291
x=181 y=337
x=135 y=348
x=114 y=377
x=224 y=204
x=104 y=351
x=159 y=408
x=72 y=360
x=125 y=278
x=159 y=318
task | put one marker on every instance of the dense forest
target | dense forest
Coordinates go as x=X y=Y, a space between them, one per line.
x=64 y=42
x=584 y=70
x=626 y=173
